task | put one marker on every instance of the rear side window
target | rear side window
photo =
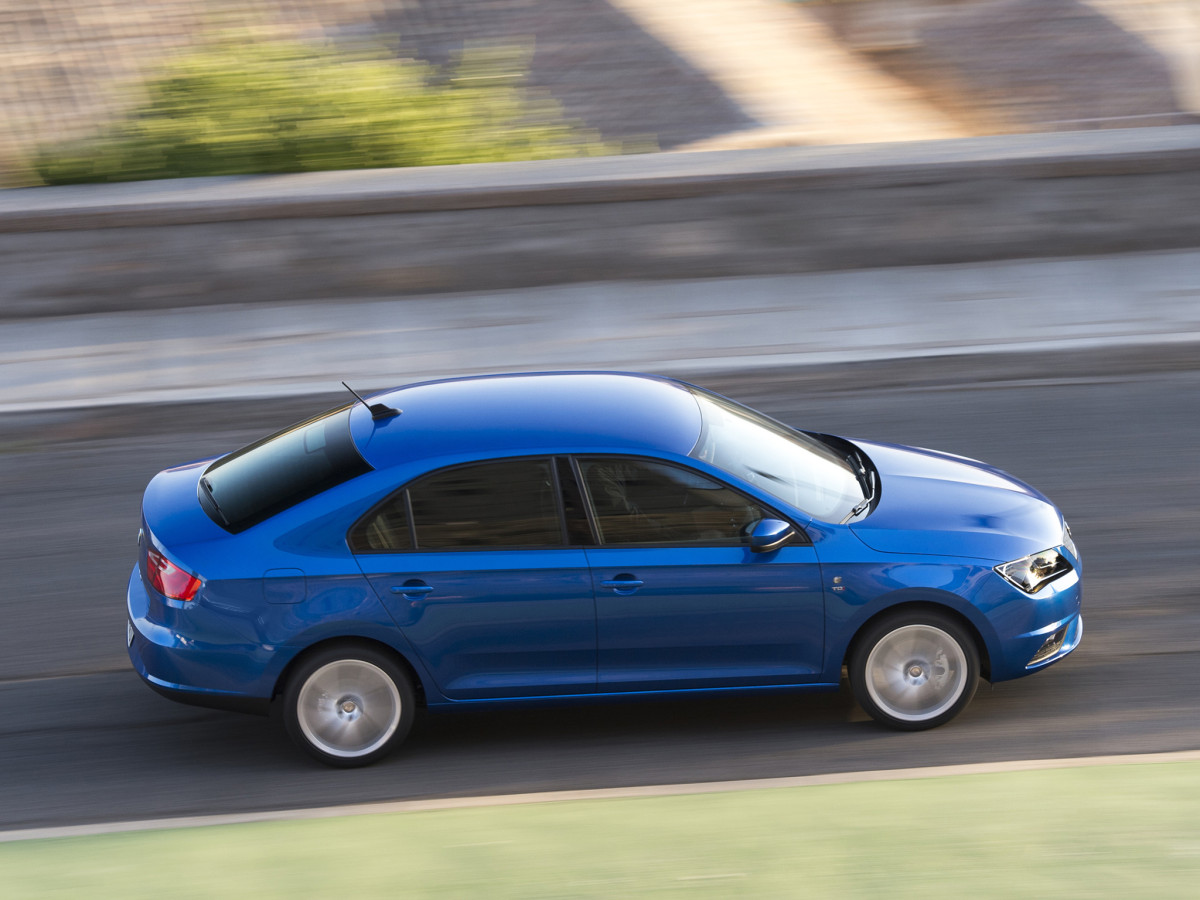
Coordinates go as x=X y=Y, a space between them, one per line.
x=277 y=472
x=510 y=503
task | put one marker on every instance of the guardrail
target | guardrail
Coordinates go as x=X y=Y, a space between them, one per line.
x=674 y=215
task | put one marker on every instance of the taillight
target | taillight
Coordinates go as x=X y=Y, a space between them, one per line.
x=168 y=579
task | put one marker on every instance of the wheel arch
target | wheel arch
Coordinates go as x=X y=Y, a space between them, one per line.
x=350 y=641
x=910 y=602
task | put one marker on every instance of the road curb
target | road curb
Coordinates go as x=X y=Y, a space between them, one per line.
x=661 y=790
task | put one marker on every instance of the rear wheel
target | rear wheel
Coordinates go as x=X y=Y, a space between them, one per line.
x=914 y=670
x=348 y=706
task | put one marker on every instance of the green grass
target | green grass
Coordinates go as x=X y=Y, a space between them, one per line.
x=1117 y=831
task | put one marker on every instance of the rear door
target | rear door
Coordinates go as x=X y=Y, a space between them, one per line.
x=473 y=564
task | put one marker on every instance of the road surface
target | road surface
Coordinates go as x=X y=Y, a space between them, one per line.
x=1110 y=436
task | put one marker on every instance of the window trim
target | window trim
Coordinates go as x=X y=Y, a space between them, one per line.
x=585 y=500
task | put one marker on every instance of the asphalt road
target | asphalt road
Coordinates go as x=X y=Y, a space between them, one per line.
x=1111 y=437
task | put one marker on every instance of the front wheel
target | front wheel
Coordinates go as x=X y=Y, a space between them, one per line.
x=914 y=670
x=348 y=706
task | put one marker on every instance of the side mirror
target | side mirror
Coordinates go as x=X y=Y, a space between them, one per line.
x=770 y=534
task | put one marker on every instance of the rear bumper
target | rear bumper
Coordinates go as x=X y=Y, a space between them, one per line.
x=259 y=706
x=166 y=660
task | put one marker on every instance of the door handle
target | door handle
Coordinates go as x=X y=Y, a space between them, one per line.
x=623 y=584
x=412 y=589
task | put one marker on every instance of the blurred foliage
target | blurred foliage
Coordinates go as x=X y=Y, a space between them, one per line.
x=240 y=106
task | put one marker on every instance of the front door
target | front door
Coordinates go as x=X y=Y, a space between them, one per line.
x=681 y=600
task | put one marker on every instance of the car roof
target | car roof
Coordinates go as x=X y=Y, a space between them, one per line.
x=540 y=412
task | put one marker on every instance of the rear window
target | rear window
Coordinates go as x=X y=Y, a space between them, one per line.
x=277 y=472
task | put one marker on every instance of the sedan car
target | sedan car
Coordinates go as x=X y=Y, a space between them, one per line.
x=518 y=538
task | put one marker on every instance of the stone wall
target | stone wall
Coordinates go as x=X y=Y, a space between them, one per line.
x=325 y=236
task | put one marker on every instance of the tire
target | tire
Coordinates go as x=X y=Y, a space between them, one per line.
x=914 y=670
x=348 y=706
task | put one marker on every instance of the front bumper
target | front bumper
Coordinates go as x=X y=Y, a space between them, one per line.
x=1045 y=627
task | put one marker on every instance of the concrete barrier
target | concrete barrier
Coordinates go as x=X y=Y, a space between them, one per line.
x=393 y=233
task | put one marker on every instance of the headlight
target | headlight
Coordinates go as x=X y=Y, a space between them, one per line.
x=1069 y=541
x=1034 y=571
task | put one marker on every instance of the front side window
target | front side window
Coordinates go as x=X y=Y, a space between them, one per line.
x=639 y=501
x=501 y=503
x=279 y=471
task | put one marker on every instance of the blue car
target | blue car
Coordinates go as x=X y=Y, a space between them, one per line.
x=582 y=535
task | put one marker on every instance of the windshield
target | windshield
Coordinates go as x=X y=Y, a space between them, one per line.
x=277 y=472
x=798 y=469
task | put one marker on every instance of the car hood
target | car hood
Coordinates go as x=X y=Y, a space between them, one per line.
x=945 y=505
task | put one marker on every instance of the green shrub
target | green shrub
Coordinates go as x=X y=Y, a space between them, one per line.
x=243 y=107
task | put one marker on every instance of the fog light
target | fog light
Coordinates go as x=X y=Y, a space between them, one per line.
x=1053 y=645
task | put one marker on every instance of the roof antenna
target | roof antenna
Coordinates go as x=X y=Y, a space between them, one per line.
x=378 y=410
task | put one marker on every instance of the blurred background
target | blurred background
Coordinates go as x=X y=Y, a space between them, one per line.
x=964 y=224
x=633 y=73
